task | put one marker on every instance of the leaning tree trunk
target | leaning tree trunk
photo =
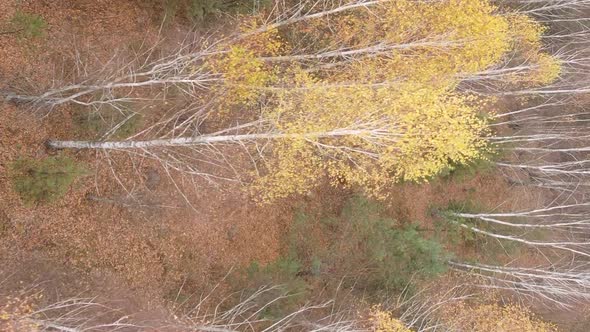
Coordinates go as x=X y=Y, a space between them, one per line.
x=197 y=140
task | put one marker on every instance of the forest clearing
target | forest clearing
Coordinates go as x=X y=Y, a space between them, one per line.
x=294 y=165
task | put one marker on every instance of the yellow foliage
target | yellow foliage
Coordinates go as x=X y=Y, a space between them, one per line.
x=430 y=40
x=382 y=321
x=543 y=69
x=294 y=170
x=16 y=313
x=389 y=112
x=526 y=36
x=243 y=74
x=526 y=32
x=267 y=43
x=444 y=133
x=493 y=317
x=403 y=133
x=548 y=70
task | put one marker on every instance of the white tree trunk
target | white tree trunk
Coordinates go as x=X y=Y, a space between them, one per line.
x=198 y=140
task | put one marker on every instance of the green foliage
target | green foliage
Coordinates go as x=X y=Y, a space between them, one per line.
x=282 y=269
x=449 y=230
x=28 y=25
x=461 y=172
x=484 y=164
x=283 y=272
x=378 y=253
x=448 y=227
x=391 y=255
x=171 y=7
x=357 y=245
x=199 y=11
x=45 y=180
x=4 y=224
x=117 y=124
x=316 y=266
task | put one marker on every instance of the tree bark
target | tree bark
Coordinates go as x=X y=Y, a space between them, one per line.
x=191 y=141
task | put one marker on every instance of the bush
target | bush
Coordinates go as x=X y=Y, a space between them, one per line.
x=450 y=231
x=28 y=25
x=42 y=181
x=284 y=274
x=391 y=255
x=325 y=250
x=377 y=252
x=93 y=125
x=198 y=10
x=383 y=321
x=201 y=10
x=448 y=226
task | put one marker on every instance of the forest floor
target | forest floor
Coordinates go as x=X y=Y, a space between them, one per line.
x=143 y=251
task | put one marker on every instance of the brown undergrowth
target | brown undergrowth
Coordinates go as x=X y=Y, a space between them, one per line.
x=138 y=239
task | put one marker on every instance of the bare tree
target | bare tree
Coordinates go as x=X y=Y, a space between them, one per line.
x=555 y=285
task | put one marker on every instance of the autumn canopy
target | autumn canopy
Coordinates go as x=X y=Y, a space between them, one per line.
x=376 y=94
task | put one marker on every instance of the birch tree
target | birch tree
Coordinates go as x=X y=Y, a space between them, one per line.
x=313 y=97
